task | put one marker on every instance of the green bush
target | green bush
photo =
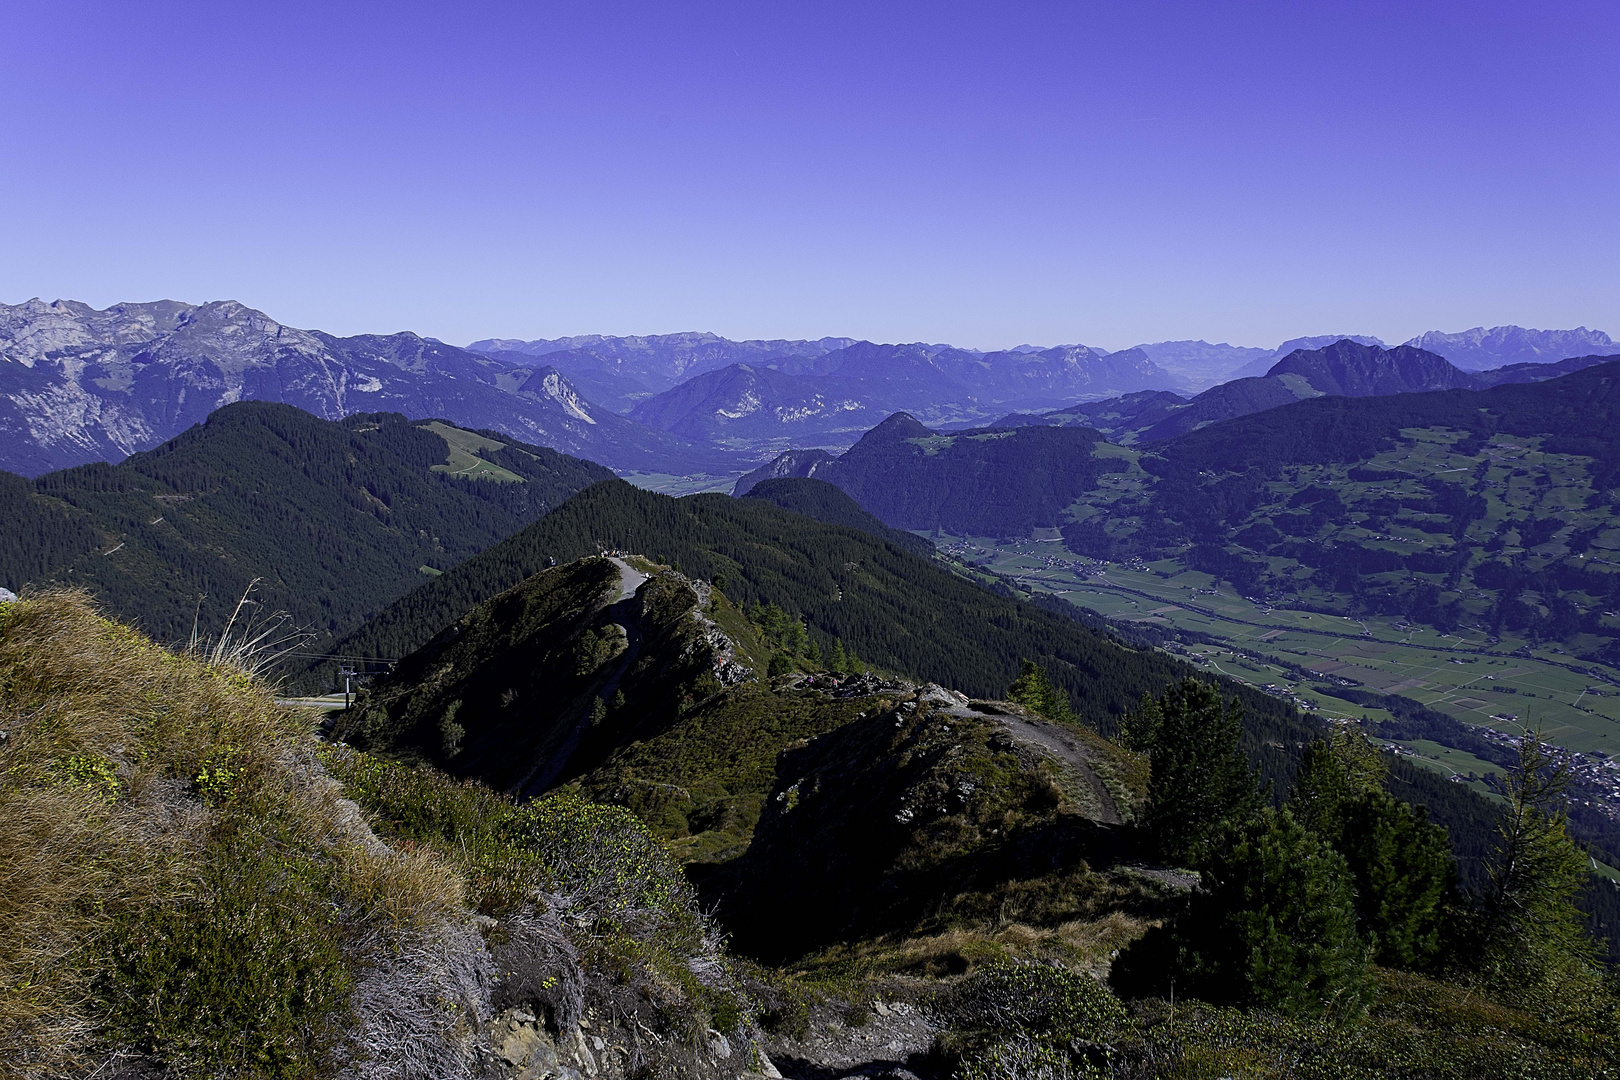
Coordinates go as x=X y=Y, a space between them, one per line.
x=605 y=861
x=1274 y=924
x=1015 y=1020
x=1199 y=779
x=1025 y=1057
x=1039 y=998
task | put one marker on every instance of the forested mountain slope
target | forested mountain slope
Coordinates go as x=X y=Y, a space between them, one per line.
x=334 y=519
x=995 y=481
x=826 y=502
x=1458 y=507
x=896 y=611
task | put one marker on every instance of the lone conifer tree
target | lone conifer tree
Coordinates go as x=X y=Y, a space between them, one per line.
x=1536 y=949
x=1273 y=923
x=1036 y=692
x=1336 y=770
x=1400 y=863
x=1198 y=778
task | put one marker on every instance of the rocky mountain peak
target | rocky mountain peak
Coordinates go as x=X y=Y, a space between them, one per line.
x=1479 y=349
x=87 y=385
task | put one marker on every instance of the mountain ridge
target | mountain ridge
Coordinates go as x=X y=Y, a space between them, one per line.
x=80 y=385
x=1479 y=349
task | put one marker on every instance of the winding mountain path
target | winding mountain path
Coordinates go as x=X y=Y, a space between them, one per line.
x=1054 y=741
x=630 y=579
x=1070 y=751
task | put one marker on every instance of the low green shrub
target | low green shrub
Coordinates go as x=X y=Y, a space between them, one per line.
x=1038 y=998
x=248 y=977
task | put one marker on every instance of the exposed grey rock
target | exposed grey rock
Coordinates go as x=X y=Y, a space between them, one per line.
x=80 y=385
x=1479 y=348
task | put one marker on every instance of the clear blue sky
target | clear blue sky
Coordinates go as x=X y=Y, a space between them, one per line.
x=985 y=174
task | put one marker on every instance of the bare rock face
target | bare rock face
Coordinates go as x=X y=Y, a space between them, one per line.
x=1479 y=349
x=522 y=1043
x=80 y=385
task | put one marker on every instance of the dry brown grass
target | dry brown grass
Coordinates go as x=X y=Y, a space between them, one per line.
x=118 y=758
x=1082 y=944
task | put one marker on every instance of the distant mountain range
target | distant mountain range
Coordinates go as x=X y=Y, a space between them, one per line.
x=1345 y=368
x=839 y=394
x=1202 y=364
x=1478 y=349
x=619 y=371
x=80 y=385
x=756 y=393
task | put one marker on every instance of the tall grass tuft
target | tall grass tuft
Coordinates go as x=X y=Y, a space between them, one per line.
x=179 y=878
x=251 y=641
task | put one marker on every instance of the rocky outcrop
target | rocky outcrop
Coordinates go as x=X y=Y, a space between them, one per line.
x=925 y=797
x=548 y=678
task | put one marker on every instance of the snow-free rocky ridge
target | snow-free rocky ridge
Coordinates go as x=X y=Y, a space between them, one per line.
x=80 y=385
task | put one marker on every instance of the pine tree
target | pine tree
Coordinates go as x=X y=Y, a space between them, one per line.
x=1274 y=923
x=1404 y=875
x=1035 y=692
x=1141 y=726
x=1400 y=864
x=1536 y=949
x=1335 y=771
x=1198 y=777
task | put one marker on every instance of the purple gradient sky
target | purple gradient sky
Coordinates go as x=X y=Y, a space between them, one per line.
x=985 y=174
